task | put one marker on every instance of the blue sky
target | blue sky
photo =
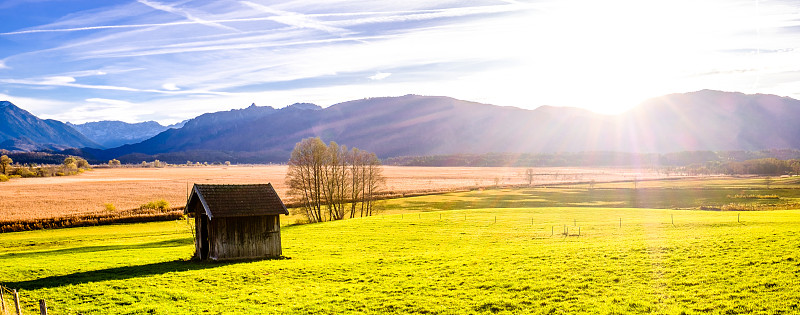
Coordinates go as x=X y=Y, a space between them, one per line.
x=161 y=60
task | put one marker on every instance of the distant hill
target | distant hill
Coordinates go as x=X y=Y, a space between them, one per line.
x=22 y=131
x=415 y=125
x=114 y=133
x=211 y=137
x=712 y=120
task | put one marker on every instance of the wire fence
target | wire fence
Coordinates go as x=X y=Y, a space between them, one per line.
x=540 y=225
x=10 y=303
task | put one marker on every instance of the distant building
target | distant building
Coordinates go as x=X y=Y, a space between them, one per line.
x=236 y=221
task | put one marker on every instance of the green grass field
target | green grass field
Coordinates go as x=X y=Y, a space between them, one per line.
x=503 y=252
x=660 y=194
x=461 y=263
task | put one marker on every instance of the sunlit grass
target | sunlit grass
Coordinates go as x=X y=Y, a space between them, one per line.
x=486 y=260
x=495 y=251
x=662 y=194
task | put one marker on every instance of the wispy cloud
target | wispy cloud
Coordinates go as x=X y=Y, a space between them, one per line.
x=66 y=81
x=91 y=28
x=39 y=106
x=202 y=55
x=295 y=19
x=379 y=76
x=395 y=17
x=184 y=13
x=109 y=101
x=170 y=87
x=57 y=80
x=216 y=45
x=96 y=109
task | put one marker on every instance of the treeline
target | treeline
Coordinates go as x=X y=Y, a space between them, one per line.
x=69 y=166
x=96 y=156
x=143 y=214
x=594 y=158
x=35 y=157
x=528 y=159
x=691 y=159
x=202 y=156
x=767 y=166
x=330 y=182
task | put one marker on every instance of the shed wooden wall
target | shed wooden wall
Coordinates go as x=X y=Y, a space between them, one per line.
x=245 y=237
x=198 y=212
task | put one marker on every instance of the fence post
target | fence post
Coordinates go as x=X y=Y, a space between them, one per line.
x=2 y=301
x=620 y=222
x=672 y=216
x=579 y=231
x=42 y=307
x=16 y=302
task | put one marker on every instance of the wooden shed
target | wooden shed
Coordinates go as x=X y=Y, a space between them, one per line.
x=236 y=221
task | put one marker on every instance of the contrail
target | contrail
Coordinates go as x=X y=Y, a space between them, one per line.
x=100 y=27
x=173 y=10
x=288 y=18
x=295 y=19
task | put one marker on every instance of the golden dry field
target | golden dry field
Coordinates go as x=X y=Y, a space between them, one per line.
x=127 y=188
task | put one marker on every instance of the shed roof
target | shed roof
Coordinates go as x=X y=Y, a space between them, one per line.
x=224 y=201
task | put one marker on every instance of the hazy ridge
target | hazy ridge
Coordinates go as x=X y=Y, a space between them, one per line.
x=415 y=125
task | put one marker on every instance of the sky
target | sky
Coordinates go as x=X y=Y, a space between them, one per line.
x=80 y=61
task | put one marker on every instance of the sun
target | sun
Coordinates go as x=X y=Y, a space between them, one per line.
x=608 y=56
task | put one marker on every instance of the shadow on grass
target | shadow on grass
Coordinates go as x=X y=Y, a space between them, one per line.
x=100 y=248
x=618 y=197
x=124 y=273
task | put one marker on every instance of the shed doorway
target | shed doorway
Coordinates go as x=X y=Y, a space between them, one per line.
x=204 y=243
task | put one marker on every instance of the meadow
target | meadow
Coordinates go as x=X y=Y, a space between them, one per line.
x=714 y=193
x=128 y=188
x=493 y=251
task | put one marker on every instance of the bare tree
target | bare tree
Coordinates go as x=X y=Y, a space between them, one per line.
x=335 y=181
x=529 y=176
x=330 y=181
x=372 y=183
x=304 y=176
x=355 y=159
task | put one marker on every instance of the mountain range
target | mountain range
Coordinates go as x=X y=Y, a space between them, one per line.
x=22 y=131
x=114 y=133
x=436 y=125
